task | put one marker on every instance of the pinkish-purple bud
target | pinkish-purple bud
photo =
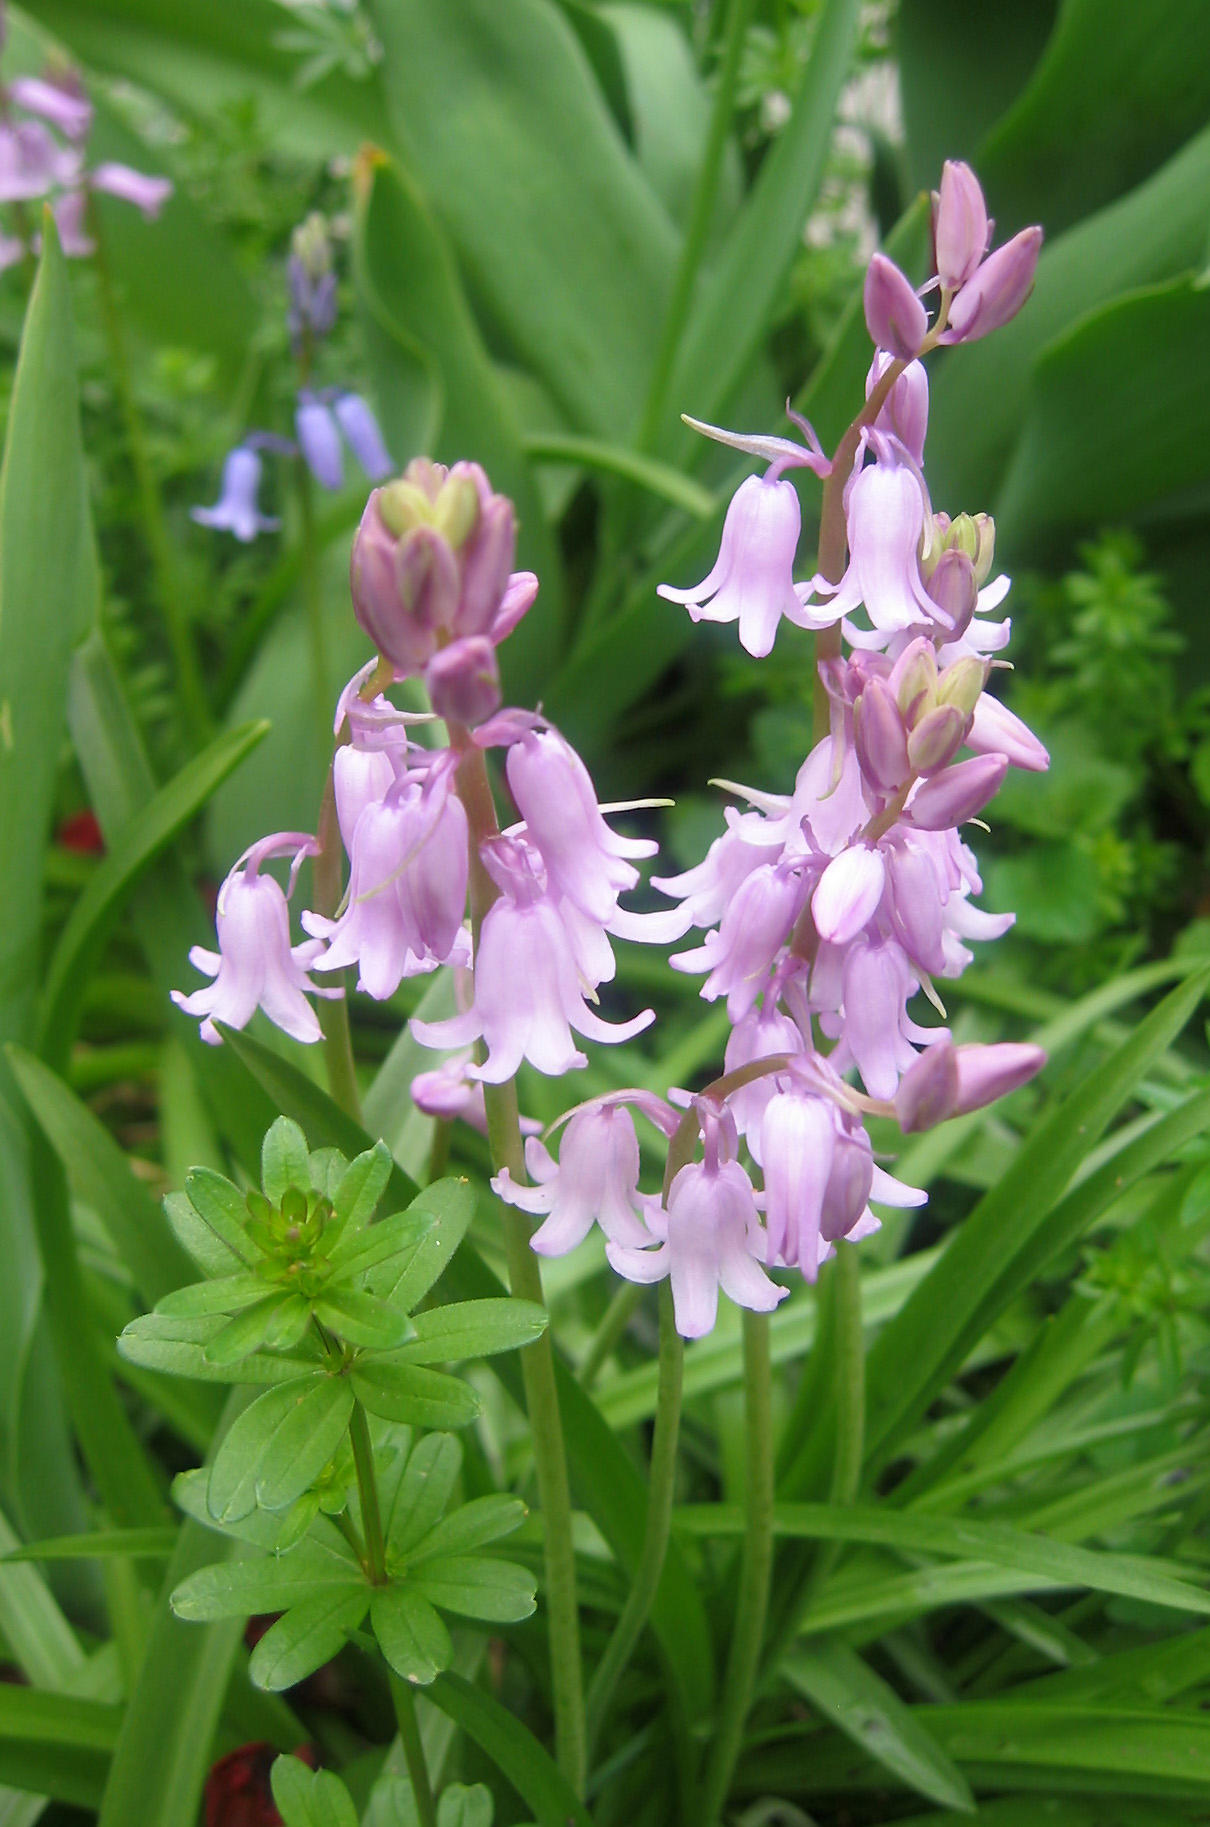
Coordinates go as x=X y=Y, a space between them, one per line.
x=954 y=590
x=937 y=737
x=997 y=290
x=950 y=798
x=995 y=730
x=463 y=681
x=487 y=564
x=894 y=316
x=880 y=738
x=948 y=1081
x=960 y=225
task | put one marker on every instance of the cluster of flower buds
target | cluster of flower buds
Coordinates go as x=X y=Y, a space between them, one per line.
x=434 y=587
x=44 y=154
x=825 y=911
x=327 y=420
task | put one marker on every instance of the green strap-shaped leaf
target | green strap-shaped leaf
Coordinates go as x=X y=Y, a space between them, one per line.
x=477 y=1587
x=140 y=842
x=389 y=1238
x=361 y=1186
x=423 y=1491
x=473 y=1524
x=411 y=1394
x=847 y=1693
x=284 y=1160
x=474 y=1329
x=242 y=1450
x=309 y=1635
x=237 y=1589
x=182 y=1348
x=362 y=1319
x=515 y=1752
x=923 y=1345
x=56 y=1745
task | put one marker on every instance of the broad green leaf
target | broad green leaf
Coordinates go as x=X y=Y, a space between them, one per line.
x=1161 y=95
x=362 y=1319
x=99 y=1175
x=924 y=1344
x=207 y=1249
x=482 y=1520
x=55 y=1744
x=310 y=1798
x=285 y=1161
x=410 y=285
x=257 y=1325
x=729 y=318
x=1120 y=373
x=424 y=1491
x=181 y=1347
x=302 y=1444
x=95 y=914
x=848 y=1693
x=474 y=1329
x=451 y=1204
x=410 y=1634
x=515 y=1752
x=1154 y=1673
x=271 y=1583
x=658 y=479
x=477 y=1587
x=505 y=127
x=230 y=1294
x=1039 y=1558
x=309 y=1635
x=398 y=1391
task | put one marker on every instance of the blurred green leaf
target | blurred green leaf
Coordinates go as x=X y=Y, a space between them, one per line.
x=56 y=1745
x=309 y=1635
x=848 y=1693
x=310 y=1798
x=474 y=1329
x=514 y=1751
x=410 y=1634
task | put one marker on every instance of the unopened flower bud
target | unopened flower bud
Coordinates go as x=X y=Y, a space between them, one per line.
x=985 y=547
x=913 y=678
x=997 y=290
x=952 y=587
x=463 y=681
x=879 y=737
x=949 y=1081
x=895 y=317
x=936 y=738
x=960 y=225
x=962 y=683
x=959 y=793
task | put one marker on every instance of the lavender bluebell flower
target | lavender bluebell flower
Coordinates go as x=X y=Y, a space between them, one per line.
x=319 y=439
x=236 y=510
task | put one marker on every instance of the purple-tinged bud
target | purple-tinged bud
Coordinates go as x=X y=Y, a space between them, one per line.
x=950 y=798
x=953 y=588
x=913 y=678
x=426 y=575
x=905 y=411
x=848 y=892
x=64 y=104
x=895 y=317
x=960 y=225
x=362 y=435
x=487 y=562
x=997 y=291
x=995 y=730
x=936 y=738
x=319 y=441
x=949 y=1081
x=849 y=1185
x=880 y=738
x=148 y=194
x=463 y=681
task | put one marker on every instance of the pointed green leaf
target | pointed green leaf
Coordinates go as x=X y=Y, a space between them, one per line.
x=513 y=1749
x=359 y=1250
x=410 y=1634
x=151 y=1544
x=209 y=1252
x=361 y=1186
x=181 y=1348
x=284 y=1161
x=407 y=1392
x=451 y=1205
x=847 y=1693
x=233 y=1475
x=303 y=1442
x=473 y=1524
x=310 y=1798
x=424 y=1491
x=230 y=1294
x=221 y=1206
x=238 y=1589
x=361 y=1319
x=249 y=1330
x=477 y=1587
x=474 y=1329
x=309 y=1635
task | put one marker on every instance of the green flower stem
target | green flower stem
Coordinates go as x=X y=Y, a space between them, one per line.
x=537 y=1360
x=334 y=1011
x=660 y=1492
x=194 y=706
x=367 y=1490
x=756 y=1568
x=413 y=1751
x=627 y=1298
x=701 y=216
